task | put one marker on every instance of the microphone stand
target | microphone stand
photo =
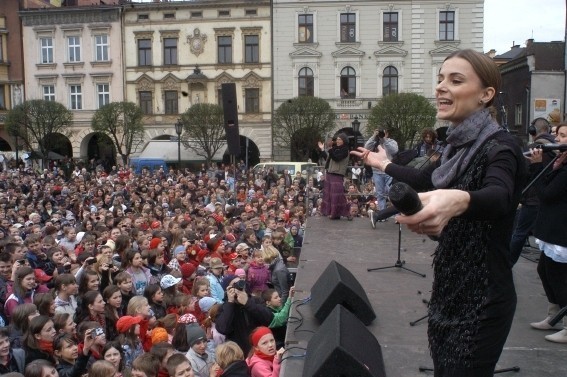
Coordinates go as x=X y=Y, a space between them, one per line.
x=539 y=174
x=399 y=263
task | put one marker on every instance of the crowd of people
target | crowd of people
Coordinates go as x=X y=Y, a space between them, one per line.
x=165 y=273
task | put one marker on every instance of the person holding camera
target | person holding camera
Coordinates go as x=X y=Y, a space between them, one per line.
x=382 y=181
x=240 y=313
x=336 y=162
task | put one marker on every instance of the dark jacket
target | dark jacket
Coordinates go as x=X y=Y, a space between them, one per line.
x=35 y=354
x=552 y=193
x=66 y=369
x=280 y=276
x=16 y=362
x=237 y=321
x=239 y=368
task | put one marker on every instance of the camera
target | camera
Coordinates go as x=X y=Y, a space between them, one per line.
x=381 y=134
x=91 y=261
x=97 y=332
x=240 y=285
x=21 y=262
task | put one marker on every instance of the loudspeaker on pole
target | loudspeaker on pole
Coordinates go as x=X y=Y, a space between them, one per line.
x=230 y=110
x=343 y=346
x=335 y=286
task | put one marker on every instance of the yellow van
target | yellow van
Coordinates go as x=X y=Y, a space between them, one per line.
x=292 y=167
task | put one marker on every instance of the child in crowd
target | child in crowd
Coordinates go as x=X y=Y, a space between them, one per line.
x=265 y=361
x=281 y=313
x=129 y=329
x=179 y=366
x=258 y=274
x=145 y=365
x=200 y=360
x=154 y=294
x=124 y=281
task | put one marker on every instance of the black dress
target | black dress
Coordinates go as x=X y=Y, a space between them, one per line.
x=473 y=297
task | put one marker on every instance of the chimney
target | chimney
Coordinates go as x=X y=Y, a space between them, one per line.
x=529 y=42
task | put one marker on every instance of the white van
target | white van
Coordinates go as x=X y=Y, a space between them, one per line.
x=292 y=167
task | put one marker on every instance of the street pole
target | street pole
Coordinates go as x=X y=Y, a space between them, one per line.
x=179 y=131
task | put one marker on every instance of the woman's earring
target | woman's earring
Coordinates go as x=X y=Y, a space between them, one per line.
x=480 y=102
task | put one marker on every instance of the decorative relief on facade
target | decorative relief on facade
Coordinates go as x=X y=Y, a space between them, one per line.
x=251 y=30
x=170 y=82
x=73 y=78
x=144 y=83
x=224 y=31
x=101 y=77
x=46 y=79
x=252 y=80
x=57 y=17
x=197 y=42
x=144 y=34
x=169 y=33
x=224 y=78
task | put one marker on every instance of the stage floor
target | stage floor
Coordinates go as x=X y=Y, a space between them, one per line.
x=398 y=299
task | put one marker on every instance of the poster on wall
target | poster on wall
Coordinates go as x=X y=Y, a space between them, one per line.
x=548 y=108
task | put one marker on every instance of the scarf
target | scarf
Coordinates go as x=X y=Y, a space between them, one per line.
x=45 y=346
x=263 y=356
x=464 y=141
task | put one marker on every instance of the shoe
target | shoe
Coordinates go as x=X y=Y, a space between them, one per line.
x=543 y=325
x=558 y=337
x=372 y=221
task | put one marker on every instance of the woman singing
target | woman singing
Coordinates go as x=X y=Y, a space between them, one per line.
x=475 y=189
x=334 y=200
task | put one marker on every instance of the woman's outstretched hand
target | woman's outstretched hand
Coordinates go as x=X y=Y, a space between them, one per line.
x=374 y=159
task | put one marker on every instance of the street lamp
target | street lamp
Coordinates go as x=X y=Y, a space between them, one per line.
x=178 y=131
x=356 y=129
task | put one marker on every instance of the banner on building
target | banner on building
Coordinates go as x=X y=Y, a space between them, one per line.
x=548 y=108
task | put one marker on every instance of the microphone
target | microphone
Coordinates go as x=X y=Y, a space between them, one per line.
x=405 y=199
x=548 y=147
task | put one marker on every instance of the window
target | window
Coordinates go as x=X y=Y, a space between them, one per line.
x=251 y=12
x=348 y=27
x=251 y=46
x=2 y=97
x=1 y=50
x=143 y=17
x=49 y=92
x=74 y=45
x=305 y=82
x=171 y=102
x=46 y=50
x=252 y=100
x=76 y=95
x=144 y=52
x=102 y=94
x=170 y=51
x=390 y=27
x=146 y=102
x=101 y=48
x=225 y=49
x=305 y=30
x=390 y=81
x=197 y=14
x=168 y=16
x=219 y=97
x=518 y=114
x=446 y=26
x=348 y=83
x=224 y=13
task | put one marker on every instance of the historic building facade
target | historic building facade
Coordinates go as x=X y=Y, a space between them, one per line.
x=353 y=53
x=179 y=54
x=73 y=55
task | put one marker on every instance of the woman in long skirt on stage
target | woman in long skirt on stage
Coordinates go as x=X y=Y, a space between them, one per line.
x=334 y=201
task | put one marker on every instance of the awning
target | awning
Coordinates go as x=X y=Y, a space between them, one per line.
x=168 y=151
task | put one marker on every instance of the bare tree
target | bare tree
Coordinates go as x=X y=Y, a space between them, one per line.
x=122 y=122
x=300 y=123
x=404 y=115
x=35 y=122
x=204 y=130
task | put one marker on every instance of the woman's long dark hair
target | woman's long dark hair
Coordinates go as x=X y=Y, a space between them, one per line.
x=117 y=346
x=21 y=273
x=84 y=281
x=83 y=313
x=35 y=368
x=108 y=309
x=36 y=325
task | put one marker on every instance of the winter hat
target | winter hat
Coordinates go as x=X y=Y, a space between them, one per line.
x=242 y=246
x=126 y=322
x=226 y=281
x=187 y=270
x=155 y=242
x=168 y=281
x=178 y=249
x=214 y=243
x=216 y=263
x=240 y=273
x=110 y=243
x=159 y=335
x=206 y=303
x=194 y=334
x=156 y=224
x=41 y=276
x=258 y=334
x=80 y=236
x=187 y=318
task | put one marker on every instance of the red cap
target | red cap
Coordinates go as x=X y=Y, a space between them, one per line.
x=126 y=322
x=156 y=224
x=187 y=269
x=155 y=241
x=41 y=276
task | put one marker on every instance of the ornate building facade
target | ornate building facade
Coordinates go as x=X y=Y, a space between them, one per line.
x=74 y=56
x=179 y=54
x=353 y=53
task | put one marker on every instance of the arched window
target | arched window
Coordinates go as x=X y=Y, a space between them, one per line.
x=305 y=82
x=348 y=83
x=390 y=81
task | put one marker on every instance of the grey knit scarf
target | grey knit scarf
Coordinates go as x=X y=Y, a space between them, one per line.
x=464 y=140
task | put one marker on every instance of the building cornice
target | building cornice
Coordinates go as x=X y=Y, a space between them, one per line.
x=65 y=16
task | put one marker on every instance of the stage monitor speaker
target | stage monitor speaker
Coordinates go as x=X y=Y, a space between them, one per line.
x=337 y=285
x=230 y=108
x=343 y=346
